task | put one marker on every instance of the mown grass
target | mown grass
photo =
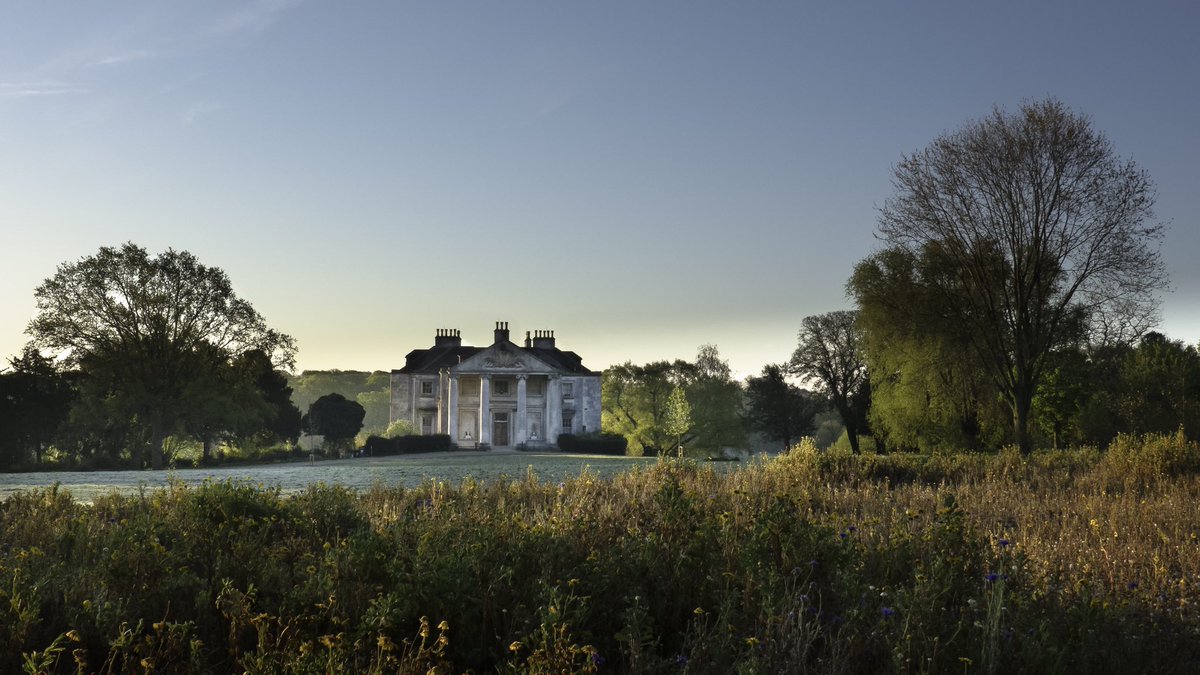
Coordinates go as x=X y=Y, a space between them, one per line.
x=1071 y=561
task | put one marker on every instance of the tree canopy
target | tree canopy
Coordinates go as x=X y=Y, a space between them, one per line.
x=778 y=409
x=1038 y=229
x=829 y=354
x=335 y=418
x=147 y=332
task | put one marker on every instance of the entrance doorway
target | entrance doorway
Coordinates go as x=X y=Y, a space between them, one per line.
x=500 y=429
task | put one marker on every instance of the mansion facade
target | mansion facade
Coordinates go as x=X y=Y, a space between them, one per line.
x=502 y=395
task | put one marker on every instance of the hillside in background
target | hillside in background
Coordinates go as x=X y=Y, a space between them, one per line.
x=370 y=389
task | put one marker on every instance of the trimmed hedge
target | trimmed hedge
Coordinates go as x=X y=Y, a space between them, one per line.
x=593 y=444
x=377 y=446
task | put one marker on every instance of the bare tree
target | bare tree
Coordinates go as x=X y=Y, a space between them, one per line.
x=829 y=355
x=1040 y=229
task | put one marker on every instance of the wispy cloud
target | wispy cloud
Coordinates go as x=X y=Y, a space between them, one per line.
x=254 y=17
x=42 y=88
x=121 y=57
x=198 y=111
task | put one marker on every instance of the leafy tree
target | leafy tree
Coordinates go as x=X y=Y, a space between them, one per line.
x=281 y=418
x=143 y=329
x=634 y=402
x=399 y=428
x=35 y=399
x=778 y=409
x=223 y=400
x=679 y=416
x=830 y=355
x=1160 y=387
x=1040 y=227
x=928 y=389
x=335 y=418
x=716 y=401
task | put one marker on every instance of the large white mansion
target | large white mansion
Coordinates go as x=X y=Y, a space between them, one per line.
x=501 y=395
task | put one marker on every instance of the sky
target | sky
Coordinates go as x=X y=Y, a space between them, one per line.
x=640 y=177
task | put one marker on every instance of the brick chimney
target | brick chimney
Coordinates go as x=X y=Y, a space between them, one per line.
x=501 y=331
x=447 y=337
x=543 y=339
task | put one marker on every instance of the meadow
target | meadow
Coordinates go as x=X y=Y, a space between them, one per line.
x=1065 y=561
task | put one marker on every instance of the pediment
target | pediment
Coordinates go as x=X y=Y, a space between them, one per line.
x=503 y=357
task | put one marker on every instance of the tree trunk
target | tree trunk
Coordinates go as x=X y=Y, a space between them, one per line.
x=158 y=438
x=1022 y=406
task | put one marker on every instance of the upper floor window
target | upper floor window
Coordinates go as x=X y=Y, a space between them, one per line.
x=427 y=387
x=568 y=389
x=500 y=387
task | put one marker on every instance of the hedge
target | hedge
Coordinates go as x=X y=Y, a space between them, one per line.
x=406 y=445
x=593 y=444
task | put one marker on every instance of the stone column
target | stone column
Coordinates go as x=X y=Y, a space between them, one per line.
x=521 y=434
x=485 y=416
x=553 y=409
x=439 y=425
x=452 y=408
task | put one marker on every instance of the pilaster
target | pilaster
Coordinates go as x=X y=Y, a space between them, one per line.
x=522 y=426
x=485 y=417
x=452 y=408
x=553 y=409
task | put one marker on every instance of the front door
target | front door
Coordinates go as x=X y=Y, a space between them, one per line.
x=500 y=429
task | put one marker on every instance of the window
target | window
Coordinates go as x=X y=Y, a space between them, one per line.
x=500 y=387
x=427 y=387
x=534 y=388
x=427 y=424
x=568 y=421
x=568 y=389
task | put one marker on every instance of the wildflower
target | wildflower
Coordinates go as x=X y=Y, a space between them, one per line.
x=73 y=635
x=444 y=625
x=991 y=577
x=515 y=647
x=1132 y=585
x=681 y=660
x=1003 y=543
x=698 y=611
x=597 y=659
x=813 y=563
x=887 y=612
x=752 y=642
x=852 y=529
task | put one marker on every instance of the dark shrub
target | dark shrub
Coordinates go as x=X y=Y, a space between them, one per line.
x=377 y=446
x=593 y=444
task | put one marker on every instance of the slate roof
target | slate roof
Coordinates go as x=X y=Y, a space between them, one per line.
x=434 y=359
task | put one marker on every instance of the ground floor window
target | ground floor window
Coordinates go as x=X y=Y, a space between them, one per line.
x=568 y=421
x=427 y=425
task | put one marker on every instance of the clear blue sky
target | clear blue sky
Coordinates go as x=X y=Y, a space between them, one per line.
x=641 y=177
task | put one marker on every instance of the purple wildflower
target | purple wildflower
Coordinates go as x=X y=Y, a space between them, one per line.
x=887 y=612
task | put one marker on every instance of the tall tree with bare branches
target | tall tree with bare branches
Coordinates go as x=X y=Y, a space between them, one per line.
x=829 y=355
x=1039 y=228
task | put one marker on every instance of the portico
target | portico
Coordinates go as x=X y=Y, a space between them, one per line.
x=501 y=396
